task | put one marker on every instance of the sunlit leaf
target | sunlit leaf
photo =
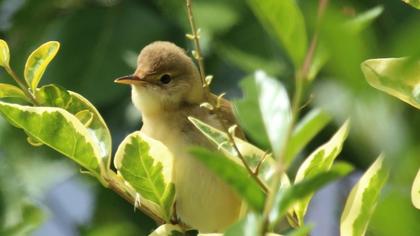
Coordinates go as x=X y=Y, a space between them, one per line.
x=399 y=77
x=305 y=130
x=168 y=230
x=38 y=61
x=253 y=155
x=285 y=20
x=57 y=129
x=286 y=197
x=319 y=161
x=4 y=54
x=146 y=164
x=362 y=200
x=233 y=174
x=85 y=116
x=8 y=90
x=413 y=3
x=56 y=96
x=415 y=191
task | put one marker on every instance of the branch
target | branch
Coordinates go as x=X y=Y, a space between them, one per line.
x=198 y=56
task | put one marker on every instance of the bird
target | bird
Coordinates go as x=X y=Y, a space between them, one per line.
x=166 y=89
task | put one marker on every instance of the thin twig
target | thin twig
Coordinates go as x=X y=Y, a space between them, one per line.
x=198 y=56
x=21 y=85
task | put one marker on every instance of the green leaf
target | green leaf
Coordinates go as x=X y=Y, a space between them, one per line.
x=286 y=197
x=146 y=164
x=8 y=90
x=362 y=200
x=58 y=129
x=305 y=130
x=253 y=155
x=4 y=54
x=399 y=77
x=363 y=20
x=38 y=61
x=32 y=218
x=168 y=230
x=267 y=96
x=301 y=231
x=415 y=191
x=413 y=3
x=55 y=96
x=285 y=21
x=250 y=225
x=233 y=174
x=318 y=161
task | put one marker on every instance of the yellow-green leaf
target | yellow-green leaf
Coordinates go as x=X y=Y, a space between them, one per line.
x=85 y=116
x=399 y=77
x=8 y=90
x=318 y=161
x=38 y=61
x=146 y=164
x=4 y=54
x=415 y=191
x=58 y=129
x=413 y=3
x=362 y=200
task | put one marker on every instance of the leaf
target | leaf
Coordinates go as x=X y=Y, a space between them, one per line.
x=168 y=230
x=301 y=231
x=361 y=21
x=4 y=54
x=285 y=21
x=56 y=96
x=85 y=116
x=233 y=174
x=38 y=61
x=58 y=129
x=413 y=3
x=362 y=200
x=286 y=197
x=269 y=98
x=318 y=161
x=146 y=164
x=8 y=90
x=305 y=130
x=250 y=225
x=415 y=191
x=399 y=77
x=253 y=155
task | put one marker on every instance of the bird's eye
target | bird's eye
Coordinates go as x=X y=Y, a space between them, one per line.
x=165 y=79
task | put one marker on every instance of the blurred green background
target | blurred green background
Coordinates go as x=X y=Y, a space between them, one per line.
x=44 y=193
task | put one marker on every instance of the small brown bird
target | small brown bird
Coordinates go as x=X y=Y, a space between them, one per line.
x=166 y=89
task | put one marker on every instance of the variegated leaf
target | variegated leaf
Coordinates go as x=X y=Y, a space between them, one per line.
x=415 y=191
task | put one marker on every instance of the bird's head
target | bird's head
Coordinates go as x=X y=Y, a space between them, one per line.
x=165 y=79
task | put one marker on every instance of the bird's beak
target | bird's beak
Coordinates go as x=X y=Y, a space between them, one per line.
x=129 y=79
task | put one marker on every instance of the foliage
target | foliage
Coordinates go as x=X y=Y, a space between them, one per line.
x=304 y=42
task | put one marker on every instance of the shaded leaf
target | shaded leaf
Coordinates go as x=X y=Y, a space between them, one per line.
x=146 y=164
x=319 y=161
x=32 y=218
x=415 y=191
x=38 y=61
x=363 y=198
x=253 y=155
x=305 y=130
x=363 y=20
x=285 y=20
x=413 y=3
x=301 y=231
x=250 y=225
x=58 y=129
x=4 y=54
x=399 y=77
x=8 y=90
x=233 y=174
x=286 y=197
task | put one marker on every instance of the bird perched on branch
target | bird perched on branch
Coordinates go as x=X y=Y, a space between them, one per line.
x=166 y=89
